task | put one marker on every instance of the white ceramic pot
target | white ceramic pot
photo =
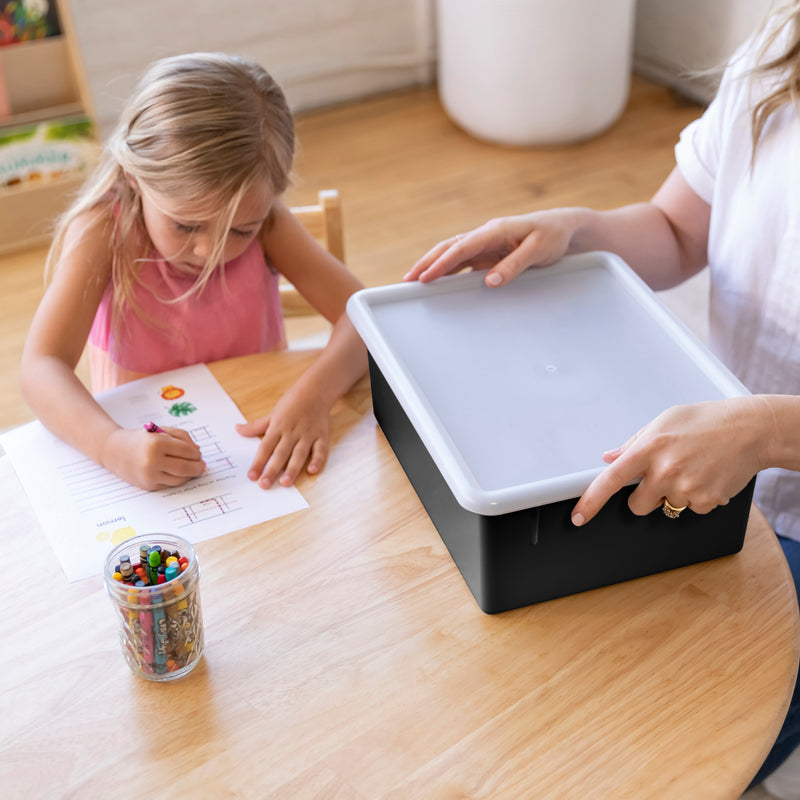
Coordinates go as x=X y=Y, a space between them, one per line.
x=530 y=72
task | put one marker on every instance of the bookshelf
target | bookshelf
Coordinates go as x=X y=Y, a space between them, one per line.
x=44 y=99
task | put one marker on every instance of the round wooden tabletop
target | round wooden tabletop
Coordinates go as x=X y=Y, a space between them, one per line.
x=346 y=658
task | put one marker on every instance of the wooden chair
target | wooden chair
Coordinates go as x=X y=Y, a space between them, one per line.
x=324 y=222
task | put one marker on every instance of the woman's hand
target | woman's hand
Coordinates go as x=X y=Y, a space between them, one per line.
x=697 y=455
x=153 y=460
x=504 y=246
x=297 y=430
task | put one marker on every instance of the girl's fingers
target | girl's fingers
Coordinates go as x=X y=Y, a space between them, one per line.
x=186 y=451
x=318 y=453
x=264 y=453
x=255 y=427
x=183 y=468
x=318 y=458
x=272 y=469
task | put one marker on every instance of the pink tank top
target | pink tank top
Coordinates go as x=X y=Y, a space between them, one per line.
x=237 y=313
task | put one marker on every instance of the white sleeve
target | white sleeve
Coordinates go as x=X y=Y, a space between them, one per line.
x=700 y=148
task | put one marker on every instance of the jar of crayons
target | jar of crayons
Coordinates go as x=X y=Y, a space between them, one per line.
x=152 y=580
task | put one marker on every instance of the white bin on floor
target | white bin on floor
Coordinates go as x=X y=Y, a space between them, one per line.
x=530 y=72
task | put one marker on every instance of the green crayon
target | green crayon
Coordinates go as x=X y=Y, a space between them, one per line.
x=154 y=560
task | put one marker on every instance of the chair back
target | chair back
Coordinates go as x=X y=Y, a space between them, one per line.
x=324 y=222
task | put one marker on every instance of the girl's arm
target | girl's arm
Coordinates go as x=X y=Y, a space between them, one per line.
x=664 y=241
x=297 y=429
x=52 y=349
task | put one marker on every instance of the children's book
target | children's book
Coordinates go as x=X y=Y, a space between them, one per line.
x=23 y=20
x=5 y=102
x=46 y=150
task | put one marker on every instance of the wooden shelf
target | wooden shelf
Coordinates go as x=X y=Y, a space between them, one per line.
x=28 y=211
x=42 y=115
x=43 y=81
x=38 y=74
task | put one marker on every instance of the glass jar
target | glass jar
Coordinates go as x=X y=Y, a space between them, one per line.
x=160 y=622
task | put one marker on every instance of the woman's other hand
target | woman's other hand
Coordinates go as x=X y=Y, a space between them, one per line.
x=696 y=455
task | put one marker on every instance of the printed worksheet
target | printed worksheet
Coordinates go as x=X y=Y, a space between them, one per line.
x=85 y=510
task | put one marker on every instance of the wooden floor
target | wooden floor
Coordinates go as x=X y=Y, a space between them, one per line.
x=409 y=177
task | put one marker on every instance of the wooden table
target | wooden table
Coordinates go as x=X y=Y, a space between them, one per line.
x=346 y=658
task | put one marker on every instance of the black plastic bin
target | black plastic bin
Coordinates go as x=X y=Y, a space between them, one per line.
x=514 y=543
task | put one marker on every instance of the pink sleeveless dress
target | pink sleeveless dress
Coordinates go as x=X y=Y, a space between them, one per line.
x=237 y=313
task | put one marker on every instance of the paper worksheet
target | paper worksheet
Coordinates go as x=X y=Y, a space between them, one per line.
x=85 y=510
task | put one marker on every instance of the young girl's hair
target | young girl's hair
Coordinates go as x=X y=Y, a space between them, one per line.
x=199 y=126
x=784 y=20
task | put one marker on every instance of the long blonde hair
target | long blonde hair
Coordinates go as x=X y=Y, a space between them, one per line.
x=201 y=125
x=785 y=20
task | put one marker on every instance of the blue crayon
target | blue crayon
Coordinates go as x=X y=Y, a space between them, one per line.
x=160 y=634
x=146 y=627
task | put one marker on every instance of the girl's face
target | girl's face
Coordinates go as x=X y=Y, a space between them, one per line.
x=184 y=234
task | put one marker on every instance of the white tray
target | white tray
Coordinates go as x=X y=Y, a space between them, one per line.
x=517 y=391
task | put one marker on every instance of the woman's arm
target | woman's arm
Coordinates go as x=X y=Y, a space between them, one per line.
x=53 y=391
x=664 y=241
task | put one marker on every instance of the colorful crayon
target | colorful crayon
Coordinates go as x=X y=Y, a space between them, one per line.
x=153 y=561
x=161 y=639
x=146 y=626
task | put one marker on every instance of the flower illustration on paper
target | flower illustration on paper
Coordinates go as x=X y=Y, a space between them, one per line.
x=171 y=392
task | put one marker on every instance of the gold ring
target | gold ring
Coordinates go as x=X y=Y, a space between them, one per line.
x=671 y=511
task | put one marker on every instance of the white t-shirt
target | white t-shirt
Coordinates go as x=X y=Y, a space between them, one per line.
x=753 y=251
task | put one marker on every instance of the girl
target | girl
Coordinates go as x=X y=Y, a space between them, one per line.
x=731 y=203
x=170 y=256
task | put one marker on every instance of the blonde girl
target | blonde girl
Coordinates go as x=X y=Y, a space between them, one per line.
x=170 y=256
x=731 y=203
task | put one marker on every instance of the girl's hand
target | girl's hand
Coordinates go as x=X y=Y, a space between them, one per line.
x=153 y=460
x=504 y=246
x=298 y=429
x=697 y=455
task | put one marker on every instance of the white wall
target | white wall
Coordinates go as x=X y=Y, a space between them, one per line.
x=320 y=51
x=674 y=37
x=325 y=51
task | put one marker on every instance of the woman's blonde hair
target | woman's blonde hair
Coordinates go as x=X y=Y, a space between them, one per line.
x=785 y=20
x=202 y=125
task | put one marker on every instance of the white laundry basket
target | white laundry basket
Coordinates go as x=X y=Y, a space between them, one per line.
x=530 y=72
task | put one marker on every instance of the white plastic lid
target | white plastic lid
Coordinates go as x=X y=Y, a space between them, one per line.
x=517 y=391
